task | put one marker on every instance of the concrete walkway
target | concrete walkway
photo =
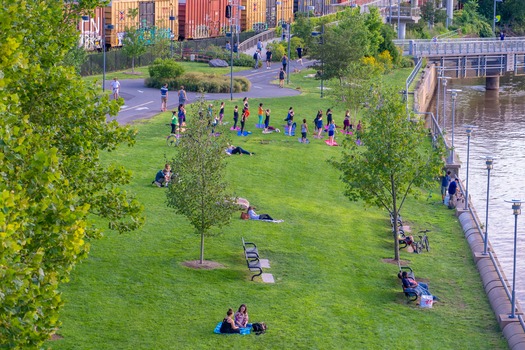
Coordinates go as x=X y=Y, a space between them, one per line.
x=143 y=103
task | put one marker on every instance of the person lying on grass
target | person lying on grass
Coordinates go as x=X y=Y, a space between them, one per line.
x=419 y=287
x=254 y=216
x=237 y=150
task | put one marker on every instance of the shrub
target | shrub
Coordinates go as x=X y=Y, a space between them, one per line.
x=277 y=50
x=163 y=69
x=202 y=82
x=385 y=59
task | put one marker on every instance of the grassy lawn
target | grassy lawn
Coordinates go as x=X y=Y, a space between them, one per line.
x=142 y=72
x=333 y=290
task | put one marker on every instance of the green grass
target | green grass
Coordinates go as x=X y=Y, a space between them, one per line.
x=333 y=290
x=142 y=72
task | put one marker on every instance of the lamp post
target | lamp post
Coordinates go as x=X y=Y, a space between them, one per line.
x=231 y=62
x=398 y=19
x=440 y=75
x=321 y=42
x=454 y=94
x=172 y=36
x=104 y=27
x=469 y=129
x=488 y=162
x=494 y=17
x=444 y=80
x=516 y=210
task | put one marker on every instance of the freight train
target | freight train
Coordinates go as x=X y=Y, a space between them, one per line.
x=190 y=19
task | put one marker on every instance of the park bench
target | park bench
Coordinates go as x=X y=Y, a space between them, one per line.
x=410 y=293
x=252 y=257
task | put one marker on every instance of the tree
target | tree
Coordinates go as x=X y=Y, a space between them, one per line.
x=134 y=44
x=53 y=131
x=471 y=20
x=198 y=190
x=303 y=29
x=394 y=160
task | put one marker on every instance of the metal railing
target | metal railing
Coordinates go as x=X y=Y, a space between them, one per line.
x=251 y=42
x=410 y=80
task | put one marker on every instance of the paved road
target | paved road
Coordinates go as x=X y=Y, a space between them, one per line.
x=142 y=102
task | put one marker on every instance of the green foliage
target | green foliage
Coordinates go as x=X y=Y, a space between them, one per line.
x=395 y=160
x=53 y=129
x=471 y=22
x=202 y=82
x=198 y=190
x=278 y=50
x=133 y=45
x=374 y=24
x=162 y=69
x=243 y=60
x=75 y=57
x=163 y=46
x=388 y=34
x=302 y=28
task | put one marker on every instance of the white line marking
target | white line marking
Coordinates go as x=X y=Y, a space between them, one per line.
x=129 y=107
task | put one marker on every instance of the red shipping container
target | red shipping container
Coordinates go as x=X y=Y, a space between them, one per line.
x=202 y=18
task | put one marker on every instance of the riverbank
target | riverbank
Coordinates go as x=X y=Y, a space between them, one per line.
x=496 y=285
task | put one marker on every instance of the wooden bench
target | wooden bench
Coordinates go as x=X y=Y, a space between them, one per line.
x=410 y=293
x=252 y=257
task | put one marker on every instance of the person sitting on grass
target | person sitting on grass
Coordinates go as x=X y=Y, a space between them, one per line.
x=162 y=178
x=419 y=287
x=237 y=150
x=241 y=316
x=254 y=216
x=228 y=326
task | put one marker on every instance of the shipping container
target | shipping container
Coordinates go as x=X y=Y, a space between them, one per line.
x=154 y=18
x=254 y=15
x=202 y=18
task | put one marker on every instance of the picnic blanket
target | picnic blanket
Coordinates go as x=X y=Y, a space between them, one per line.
x=244 y=331
x=274 y=221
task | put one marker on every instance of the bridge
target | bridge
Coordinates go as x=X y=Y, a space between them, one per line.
x=470 y=57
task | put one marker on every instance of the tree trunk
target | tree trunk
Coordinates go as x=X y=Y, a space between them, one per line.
x=202 y=247
x=132 y=64
x=395 y=215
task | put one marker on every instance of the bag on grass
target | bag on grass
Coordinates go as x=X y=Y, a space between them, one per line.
x=426 y=301
x=245 y=216
x=259 y=328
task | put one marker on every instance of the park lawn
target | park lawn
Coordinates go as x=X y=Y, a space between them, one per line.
x=333 y=289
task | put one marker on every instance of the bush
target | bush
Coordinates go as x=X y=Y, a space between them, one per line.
x=163 y=69
x=202 y=82
x=277 y=50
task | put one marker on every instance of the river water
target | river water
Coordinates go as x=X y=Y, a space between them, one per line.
x=500 y=120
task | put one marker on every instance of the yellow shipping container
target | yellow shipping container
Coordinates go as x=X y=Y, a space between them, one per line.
x=284 y=11
x=254 y=15
x=155 y=17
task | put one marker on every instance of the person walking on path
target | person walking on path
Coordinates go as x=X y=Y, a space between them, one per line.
x=268 y=58
x=164 y=98
x=115 y=87
x=259 y=45
x=282 y=74
x=300 y=55
x=284 y=62
x=183 y=98
x=257 y=58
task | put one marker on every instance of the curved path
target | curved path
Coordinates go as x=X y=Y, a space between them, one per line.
x=142 y=102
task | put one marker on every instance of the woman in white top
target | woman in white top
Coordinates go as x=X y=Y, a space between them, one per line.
x=254 y=216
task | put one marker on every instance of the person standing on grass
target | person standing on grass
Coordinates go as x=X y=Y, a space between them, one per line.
x=245 y=113
x=115 y=87
x=445 y=181
x=174 y=122
x=235 y=116
x=221 y=113
x=316 y=120
x=300 y=55
x=289 y=120
x=282 y=74
x=260 y=114
x=164 y=98
x=267 y=120
x=319 y=125
x=329 y=117
x=331 y=132
x=304 y=131
x=183 y=98
x=268 y=58
x=181 y=114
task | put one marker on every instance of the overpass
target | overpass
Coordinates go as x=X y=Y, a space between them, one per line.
x=470 y=57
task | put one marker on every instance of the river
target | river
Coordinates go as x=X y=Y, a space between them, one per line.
x=500 y=120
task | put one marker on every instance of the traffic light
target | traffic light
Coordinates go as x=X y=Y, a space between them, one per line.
x=228 y=11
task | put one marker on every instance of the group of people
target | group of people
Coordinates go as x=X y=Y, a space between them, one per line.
x=233 y=323
x=451 y=188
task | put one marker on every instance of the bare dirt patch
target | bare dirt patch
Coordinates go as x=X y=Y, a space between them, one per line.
x=206 y=265
x=56 y=337
x=394 y=262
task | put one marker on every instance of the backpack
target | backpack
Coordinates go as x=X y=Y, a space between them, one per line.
x=255 y=55
x=259 y=328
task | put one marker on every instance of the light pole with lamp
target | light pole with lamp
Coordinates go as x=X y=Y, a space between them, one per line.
x=516 y=210
x=454 y=94
x=469 y=129
x=288 y=26
x=321 y=42
x=494 y=18
x=172 y=36
x=444 y=80
x=104 y=27
x=440 y=75
x=489 y=160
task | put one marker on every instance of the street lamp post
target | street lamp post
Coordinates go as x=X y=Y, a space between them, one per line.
x=454 y=93
x=440 y=75
x=494 y=17
x=288 y=25
x=488 y=162
x=172 y=36
x=444 y=80
x=104 y=27
x=398 y=19
x=469 y=130
x=231 y=62
x=516 y=210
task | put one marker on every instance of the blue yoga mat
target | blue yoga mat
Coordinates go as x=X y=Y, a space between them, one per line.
x=244 y=331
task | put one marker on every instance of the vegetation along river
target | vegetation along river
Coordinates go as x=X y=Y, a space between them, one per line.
x=500 y=120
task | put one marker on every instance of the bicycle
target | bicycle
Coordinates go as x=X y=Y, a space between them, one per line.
x=423 y=242
x=173 y=140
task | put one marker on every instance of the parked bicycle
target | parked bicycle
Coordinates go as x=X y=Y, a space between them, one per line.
x=423 y=242
x=173 y=139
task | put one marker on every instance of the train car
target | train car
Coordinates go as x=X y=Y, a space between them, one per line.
x=153 y=18
x=202 y=18
x=254 y=15
x=284 y=11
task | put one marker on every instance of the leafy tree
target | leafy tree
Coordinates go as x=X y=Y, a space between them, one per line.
x=393 y=162
x=303 y=28
x=198 y=190
x=134 y=44
x=340 y=45
x=389 y=34
x=471 y=21
x=374 y=24
x=53 y=130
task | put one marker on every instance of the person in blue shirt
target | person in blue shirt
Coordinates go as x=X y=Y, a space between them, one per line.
x=164 y=98
x=163 y=176
x=445 y=181
x=452 y=189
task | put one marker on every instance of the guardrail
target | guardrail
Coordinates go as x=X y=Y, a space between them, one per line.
x=251 y=42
